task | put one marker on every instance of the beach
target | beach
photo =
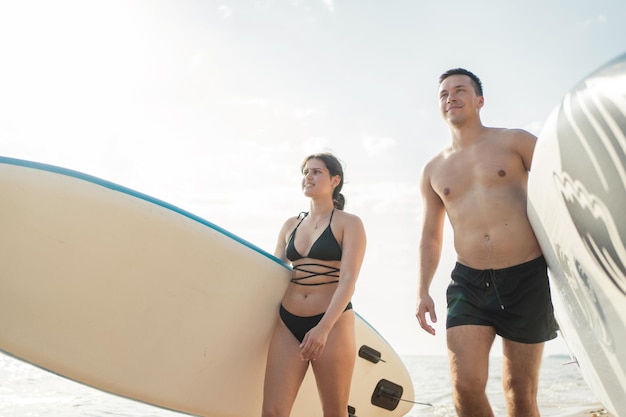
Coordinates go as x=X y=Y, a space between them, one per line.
x=26 y=390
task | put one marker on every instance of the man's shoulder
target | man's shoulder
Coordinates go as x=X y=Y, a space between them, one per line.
x=438 y=158
x=509 y=133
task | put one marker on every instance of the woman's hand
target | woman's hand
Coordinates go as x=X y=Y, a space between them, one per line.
x=313 y=344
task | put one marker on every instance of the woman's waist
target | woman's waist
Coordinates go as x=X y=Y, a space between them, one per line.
x=306 y=302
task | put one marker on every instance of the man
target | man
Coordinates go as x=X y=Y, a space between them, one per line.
x=499 y=285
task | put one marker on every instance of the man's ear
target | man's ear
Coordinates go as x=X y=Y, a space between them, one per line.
x=481 y=102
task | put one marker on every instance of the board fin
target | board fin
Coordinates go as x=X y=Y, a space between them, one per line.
x=387 y=395
x=370 y=354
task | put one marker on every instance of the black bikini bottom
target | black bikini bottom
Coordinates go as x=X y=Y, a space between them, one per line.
x=298 y=325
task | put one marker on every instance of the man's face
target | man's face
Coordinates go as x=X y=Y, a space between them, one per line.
x=458 y=99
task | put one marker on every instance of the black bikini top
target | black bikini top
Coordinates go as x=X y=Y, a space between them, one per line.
x=325 y=248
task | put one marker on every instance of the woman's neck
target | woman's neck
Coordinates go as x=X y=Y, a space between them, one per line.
x=319 y=209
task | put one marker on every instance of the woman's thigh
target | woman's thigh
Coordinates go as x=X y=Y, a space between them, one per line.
x=333 y=370
x=284 y=372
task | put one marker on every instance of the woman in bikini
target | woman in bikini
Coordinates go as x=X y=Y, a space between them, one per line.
x=325 y=247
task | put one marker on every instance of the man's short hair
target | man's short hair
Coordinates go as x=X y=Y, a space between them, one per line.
x=478 y=85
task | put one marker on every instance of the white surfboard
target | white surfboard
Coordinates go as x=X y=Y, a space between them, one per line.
x=133 y=296
x=577 y=206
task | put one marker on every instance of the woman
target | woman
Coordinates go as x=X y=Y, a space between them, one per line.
x=325 y=247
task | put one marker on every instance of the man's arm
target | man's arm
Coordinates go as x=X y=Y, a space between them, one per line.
x=524 y=143
x=431 y=241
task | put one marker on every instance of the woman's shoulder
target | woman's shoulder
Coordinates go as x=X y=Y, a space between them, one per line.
x=295 y=219
x=292 y=221
x=348 y=218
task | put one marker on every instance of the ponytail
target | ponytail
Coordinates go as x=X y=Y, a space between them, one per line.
x=339 y=201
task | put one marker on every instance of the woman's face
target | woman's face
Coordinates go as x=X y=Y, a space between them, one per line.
x=316 y=179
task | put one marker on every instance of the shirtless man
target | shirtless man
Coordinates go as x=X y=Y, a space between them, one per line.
x=499 y=284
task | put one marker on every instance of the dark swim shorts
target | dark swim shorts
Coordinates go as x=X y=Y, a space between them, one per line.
x=516 y=301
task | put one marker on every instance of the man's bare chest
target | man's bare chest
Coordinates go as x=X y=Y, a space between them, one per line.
x=459 y=175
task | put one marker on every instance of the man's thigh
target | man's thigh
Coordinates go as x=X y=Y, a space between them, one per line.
x=468 y=352
x=520 y=366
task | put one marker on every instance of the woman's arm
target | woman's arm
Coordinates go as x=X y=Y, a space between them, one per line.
x=281 y=243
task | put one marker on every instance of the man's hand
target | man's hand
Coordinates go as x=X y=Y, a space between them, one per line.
x=425 y=305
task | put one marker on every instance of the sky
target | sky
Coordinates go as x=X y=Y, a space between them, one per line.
x=212 y=105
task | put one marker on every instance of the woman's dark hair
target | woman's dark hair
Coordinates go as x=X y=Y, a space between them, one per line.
x=334 y=168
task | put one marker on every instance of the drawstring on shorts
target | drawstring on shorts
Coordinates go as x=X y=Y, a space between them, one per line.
x=491 y=281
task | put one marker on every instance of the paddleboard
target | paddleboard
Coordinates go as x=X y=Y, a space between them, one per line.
x=133 y=296
x=577 y=207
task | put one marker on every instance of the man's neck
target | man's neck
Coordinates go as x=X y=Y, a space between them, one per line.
x=466 y=134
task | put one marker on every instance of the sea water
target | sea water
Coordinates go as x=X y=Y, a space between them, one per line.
x=27 y=391
x=562 y=390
